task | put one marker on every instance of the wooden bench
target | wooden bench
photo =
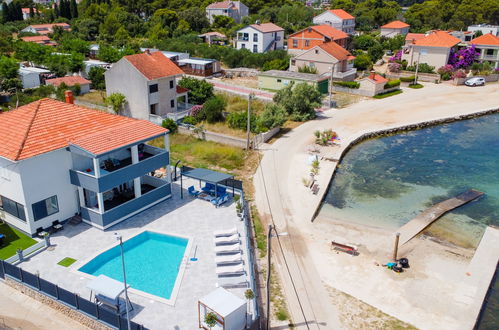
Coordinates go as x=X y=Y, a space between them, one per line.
x=350 y=249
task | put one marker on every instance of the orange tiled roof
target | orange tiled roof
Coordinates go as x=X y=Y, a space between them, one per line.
x=220 y=5
x=329 y=31
x=69 y=81
x=487 y=40
x=46 y=125
x=154 y=65
x=395 y=25
x=438 y=39
x=26 y=10
x=414 y=36
x=267 y=27
x=35 y=39
x=341 y=14
x=181 y=90
x=336 y=50
x=377 y=78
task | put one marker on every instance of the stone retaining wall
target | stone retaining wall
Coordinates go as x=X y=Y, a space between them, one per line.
x=68 y=311
x=362 y=92
x=425 y=77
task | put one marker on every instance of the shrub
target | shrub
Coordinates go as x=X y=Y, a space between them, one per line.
x=190 y=120
x=415 y=86
x=445 y=72
x=199 y=90
x=96 y=75
x=392 y=83
x=277 y=64
x=273 y=116
x=347 y=84
x=212 y=110
x=394 y=67
x=363 y=62
x=459 y=74
x=307 y=69
x=387 y=94
x=407 y=79
x=423 y=68
x=116 y=101
x=170 y=125
x=299 y=101
x=239 y=120
x=195 y=110
x=396 y=57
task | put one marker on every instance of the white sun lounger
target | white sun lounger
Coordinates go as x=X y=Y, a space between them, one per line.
x=228 y=259
x=228 y=248
x=230 y=270
x=225 y=232
x=233 y=282
x=226 y=240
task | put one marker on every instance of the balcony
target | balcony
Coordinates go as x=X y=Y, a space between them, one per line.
x=183 y=110
x=342 y=75
x=124 y=204
x=121 y=170
x=490 y=57
x=242 y=38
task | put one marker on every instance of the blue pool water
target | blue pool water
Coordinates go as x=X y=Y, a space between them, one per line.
x=387 y=181
x=152 y=262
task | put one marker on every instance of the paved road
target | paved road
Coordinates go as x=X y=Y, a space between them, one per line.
x=278 y=188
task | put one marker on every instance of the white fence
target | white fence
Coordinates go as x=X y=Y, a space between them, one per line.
x=21 y=254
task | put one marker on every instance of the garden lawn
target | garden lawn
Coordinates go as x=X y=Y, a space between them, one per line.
x=95 y=97
x=13 y=240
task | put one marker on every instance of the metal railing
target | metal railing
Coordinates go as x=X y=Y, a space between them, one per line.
x=65 y=297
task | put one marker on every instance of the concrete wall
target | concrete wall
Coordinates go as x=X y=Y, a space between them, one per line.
x=215 y=137
x=84 y=89
x=30 y=80
x=164 y=95
x=369 y=91
x=124 y=78
x=425 y=77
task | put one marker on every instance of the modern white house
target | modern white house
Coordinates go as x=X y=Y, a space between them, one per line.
x=260 y=37
x=59 y=160
x=234 y=9
x=488 y=47
x=394 y=29
x=337 y=18
x=32 y=77
x=149 y=83
x=485 y=29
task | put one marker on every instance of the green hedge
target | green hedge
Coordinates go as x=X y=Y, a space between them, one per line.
x=407 y=79
x=392 y=83
x=416 y=86
x=383 y=95
x=347 y=84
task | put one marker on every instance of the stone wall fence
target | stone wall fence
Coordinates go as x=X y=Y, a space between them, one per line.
x=425 y=77
x=362 y=92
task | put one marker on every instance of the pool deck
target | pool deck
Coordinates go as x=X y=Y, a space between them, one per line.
x=279 y=190
x=191 y=217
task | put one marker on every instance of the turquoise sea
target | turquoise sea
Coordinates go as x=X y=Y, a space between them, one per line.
x=385 y=182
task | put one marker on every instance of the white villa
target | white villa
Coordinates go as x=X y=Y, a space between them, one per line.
x=337 y=18
x=234 y=9
x=260 y=37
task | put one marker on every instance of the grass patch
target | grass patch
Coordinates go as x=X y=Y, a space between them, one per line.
x=383 y=95
x=66 y=262
x=236 y=103
x=415 y=86
x=282 y=314
x=223 y=128
x=96 y=97
x=260 y=235
x=13 y=240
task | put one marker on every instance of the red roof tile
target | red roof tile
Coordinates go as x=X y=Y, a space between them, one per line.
x=438 y=39
x=47 y=125
x=336 y=50
x=414 y=36
x=377 y=78
x=267 y=27
x=341 y=14
x=395 y=25
x=69 y=81
x=330 y=31
x=36 y=39
x=154 y=65
x=181 y=90
x=487 y=40
x=220 y=5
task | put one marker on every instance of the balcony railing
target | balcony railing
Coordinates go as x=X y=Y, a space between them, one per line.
x=344 y=74
x=490 y=57
x=183 y=110
x=155 y=159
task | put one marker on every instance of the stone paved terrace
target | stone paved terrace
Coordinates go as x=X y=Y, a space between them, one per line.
x=188 y=217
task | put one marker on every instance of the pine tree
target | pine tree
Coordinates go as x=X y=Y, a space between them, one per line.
x=5 y=13
x=74 y=9
x=31 y=12
x=56 y=10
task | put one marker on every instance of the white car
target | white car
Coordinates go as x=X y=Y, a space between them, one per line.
x=476 y=81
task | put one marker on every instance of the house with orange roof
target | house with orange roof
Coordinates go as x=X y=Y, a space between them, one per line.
x=326 y=58
x=233 y=9
x=337 y=18
x=410 y=38
x=26 y=12
x=488 y=47
x=260 y=37
x=433 y=49
x=59 y=160
x=394 y=28
x=373 y=84
x=313 y=36
x=41 y=40
x=149 y=83
x=45 y=29
x=71 y=81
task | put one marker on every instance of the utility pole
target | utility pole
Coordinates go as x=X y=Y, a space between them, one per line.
x=396 y=247
x=248 y=124
x=269 y=250
x=417 y=69
x=331 y=86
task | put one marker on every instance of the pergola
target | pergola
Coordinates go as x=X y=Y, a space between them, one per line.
x=205 y=175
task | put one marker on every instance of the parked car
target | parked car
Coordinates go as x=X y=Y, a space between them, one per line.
x=476 y=81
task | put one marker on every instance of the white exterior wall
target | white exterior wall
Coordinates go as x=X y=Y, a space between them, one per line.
x=237 y=13
x=163 y=96
x=494 y=29
x=320 y=60
x=84 y=89
x=390 y=33
x=347 y=26
x=434 y=56
x=264 y=40
x=124 y=78
x=30 y=79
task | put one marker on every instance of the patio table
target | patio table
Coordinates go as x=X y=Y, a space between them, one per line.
x=205 y=196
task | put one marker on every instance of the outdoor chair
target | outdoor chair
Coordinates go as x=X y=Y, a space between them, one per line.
x=230 y=270
x=40 y=232
x=228 y=248
x=227 y=239
x=56 y=226
x=229 y=259
x=193 y=192
x=221 y=191
x=225 y=232
x=208 y=188
x=220 y=200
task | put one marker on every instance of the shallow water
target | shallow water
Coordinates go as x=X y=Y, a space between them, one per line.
x=385 y=182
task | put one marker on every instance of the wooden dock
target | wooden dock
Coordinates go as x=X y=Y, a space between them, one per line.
x=423 y=220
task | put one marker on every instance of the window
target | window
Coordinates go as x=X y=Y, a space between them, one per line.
x=490 y=52
x=45 y=208
x=243 y=46
x=278 y=80
x=255 y=48
x=13 y=208
x=152 y=108
x=293 y=62
x=295 y=43
x=172 y=103
x=317 y=51
x=171 y=84
x=153 y=88
x=307 y=43
x=255 y=37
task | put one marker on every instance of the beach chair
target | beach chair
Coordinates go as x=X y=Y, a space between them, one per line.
x=228 y=248
x=230 y=270
x=227 y=239
x=229 y=259
x=225 y=232
x=193 y=192
x=233 y=282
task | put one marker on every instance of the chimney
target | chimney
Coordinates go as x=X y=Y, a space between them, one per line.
x=372 y=75
x=148 y=52
x=69 y=97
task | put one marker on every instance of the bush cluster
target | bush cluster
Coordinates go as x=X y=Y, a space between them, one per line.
x=392 y=83
x=347 y=84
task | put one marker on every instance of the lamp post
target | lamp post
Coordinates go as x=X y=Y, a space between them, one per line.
x=331 y=86
x=417 y=69
x=248 y=122
x=120 y=239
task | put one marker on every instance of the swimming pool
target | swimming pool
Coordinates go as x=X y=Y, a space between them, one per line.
x=153 y=263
